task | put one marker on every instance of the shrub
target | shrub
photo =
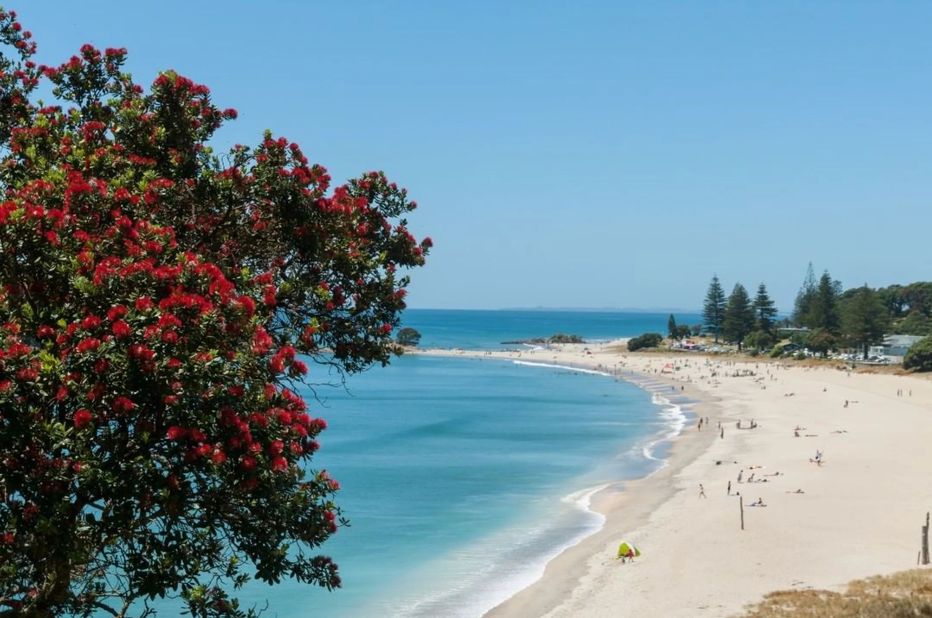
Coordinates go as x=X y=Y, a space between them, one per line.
x=821 y=341
x=564 y=338
x=919 y=356
x=408 y=336
x=759 y=340
x=647 y=340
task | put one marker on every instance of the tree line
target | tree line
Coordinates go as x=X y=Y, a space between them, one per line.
x=738 y=318
x=832 y=317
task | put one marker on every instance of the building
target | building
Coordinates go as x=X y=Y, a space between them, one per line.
x=895 y=346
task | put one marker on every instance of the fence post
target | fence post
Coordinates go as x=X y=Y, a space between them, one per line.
x=925 y=541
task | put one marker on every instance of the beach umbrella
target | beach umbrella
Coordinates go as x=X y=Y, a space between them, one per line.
x=627 y=549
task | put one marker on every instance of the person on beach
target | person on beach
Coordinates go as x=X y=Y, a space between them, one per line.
x=701 y=491
x=729 y=488
x=740 y=473
x=760 y=502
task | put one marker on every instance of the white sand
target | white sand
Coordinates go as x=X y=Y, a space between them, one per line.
x=860 y=514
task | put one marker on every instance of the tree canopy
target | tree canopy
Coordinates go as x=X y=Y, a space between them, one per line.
x=739 y=316
x=805 y=298
x=864 y=319
x=713 y=310
x=156 y=299
x=765 y=310
x=919 y=356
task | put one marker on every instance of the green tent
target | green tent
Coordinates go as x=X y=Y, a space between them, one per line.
x=627 y=550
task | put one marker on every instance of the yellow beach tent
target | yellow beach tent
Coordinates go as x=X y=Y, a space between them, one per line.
x=627 y=550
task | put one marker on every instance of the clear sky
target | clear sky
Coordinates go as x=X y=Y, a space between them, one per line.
x=581 y=154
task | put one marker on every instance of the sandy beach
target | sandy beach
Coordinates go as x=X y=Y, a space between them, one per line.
x=857 y=513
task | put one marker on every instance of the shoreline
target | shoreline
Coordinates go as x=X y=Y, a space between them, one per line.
x=623 y=504
x=696 y=560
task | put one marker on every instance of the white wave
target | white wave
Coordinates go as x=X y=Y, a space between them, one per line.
x=676 y=422
x=582 y=499
x=564 y=367
x=489 y=583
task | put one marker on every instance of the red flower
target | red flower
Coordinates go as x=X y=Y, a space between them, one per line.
x=122 y=405
x=175 y=433
x=247 y=304
x=299 y=368
x=82 y=418
x=142 y=353
x=268 y=295
x=121 y=330
x=116 y=312
x=280 y=464
x=27 y=374
x=90 y=322
x=87 y=345
x=261 y=341
x=248 y=462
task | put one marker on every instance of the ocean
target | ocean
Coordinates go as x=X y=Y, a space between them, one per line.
x=462 y=477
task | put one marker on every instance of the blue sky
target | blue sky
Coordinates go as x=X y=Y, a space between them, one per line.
x=581 y=154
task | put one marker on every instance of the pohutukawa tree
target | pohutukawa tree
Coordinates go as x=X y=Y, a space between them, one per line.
x=156 y=302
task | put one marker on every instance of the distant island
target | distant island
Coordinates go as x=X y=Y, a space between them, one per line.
x=558 y=338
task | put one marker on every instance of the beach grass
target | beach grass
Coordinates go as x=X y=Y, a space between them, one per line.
x=900 y=595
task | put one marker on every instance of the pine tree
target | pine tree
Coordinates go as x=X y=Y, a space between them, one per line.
x=804 y=299
x=671 y=326
x=739 y=315
x=823 y=310
x=764 y=310
x=713 y=311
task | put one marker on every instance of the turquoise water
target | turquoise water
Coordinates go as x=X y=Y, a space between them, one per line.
x=462 y=477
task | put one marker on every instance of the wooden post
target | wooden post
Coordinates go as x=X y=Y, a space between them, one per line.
x=741 y=505
x=925 y=541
